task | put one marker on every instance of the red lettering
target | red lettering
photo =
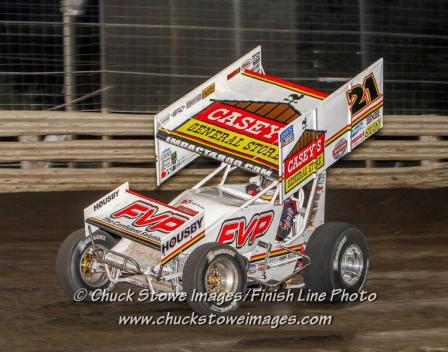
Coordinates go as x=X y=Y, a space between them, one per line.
x=131 y=211
x=243 y=232
x=146 y=215
x=236 y=230
x=308 y=153
x=241 y=121
x=147 y=218
x=170 y=223
x=228 y=231
x=263 y=224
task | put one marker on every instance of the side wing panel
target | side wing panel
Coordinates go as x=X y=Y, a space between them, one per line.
x=352 y=114
x=325 y=134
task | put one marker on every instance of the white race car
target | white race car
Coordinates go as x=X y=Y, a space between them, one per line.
x=220 y=239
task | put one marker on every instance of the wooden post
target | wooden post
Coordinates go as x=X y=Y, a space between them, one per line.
x=24 y=164
x=429 y=139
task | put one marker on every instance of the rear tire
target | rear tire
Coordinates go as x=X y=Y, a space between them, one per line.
x=72 y=263
x=339 y=259
x=215 y=269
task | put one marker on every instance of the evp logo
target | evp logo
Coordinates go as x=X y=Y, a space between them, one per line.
x=146 y=215
x=239 y=231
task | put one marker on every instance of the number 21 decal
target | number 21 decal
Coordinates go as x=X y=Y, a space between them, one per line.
x=363 y=94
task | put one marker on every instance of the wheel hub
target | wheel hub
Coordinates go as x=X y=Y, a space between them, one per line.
x=352 y=265
x=89 y=274
x=86 y=264
x=221 y=277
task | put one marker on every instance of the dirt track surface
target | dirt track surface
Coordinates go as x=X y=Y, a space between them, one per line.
x=408 y=239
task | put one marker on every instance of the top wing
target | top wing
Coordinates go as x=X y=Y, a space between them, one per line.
x=240 y=125
x=273 y=127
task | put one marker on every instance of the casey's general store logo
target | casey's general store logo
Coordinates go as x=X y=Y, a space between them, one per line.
x=304 y=162
x=241 y=121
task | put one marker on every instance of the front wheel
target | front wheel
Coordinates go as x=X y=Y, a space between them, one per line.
x=339 y=259
x=215 y=279
x=75 y=267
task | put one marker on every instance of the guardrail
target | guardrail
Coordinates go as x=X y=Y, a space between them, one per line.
x=104 y=150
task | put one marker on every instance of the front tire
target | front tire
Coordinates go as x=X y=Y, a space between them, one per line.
x=73 y=263
x=339 y=259
x=214 y=269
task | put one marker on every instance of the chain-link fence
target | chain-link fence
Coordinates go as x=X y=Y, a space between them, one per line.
x=140 y=55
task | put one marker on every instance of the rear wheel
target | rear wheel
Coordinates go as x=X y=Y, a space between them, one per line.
x=339 y=259
x=75 y=267
x=214 y=278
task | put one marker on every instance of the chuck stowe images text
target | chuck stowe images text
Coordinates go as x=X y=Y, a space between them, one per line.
x=145 y=295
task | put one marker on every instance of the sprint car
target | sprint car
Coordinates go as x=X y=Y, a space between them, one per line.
x=220 y=237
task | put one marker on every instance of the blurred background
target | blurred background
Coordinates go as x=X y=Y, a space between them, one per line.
x=139 y=55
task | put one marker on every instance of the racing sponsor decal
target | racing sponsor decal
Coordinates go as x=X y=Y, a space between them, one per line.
x=194 y=100
x=241 y=121
x=207 y=91
x=246 y=64
x=253 y=268
x=256 y=58
x=147 y=215
x=189 y=202
x=187 y=210
x=293 y=98
x=247 y=132
x=373 y=116
x=357 y=139
x=287 y=136
x=233 y=73
x=340 y=148
x=221 y=155
x=190 y=207
x=357 y=134
x=232 y=142
x=240 y=232
x=146 y=221
x=168 y=162
x=356 y=129
x=178 y=111
x=185 y=246
x=373 y=127
x=235 y=132
x=105 y=200
x=182 y=235
x=305 y=160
